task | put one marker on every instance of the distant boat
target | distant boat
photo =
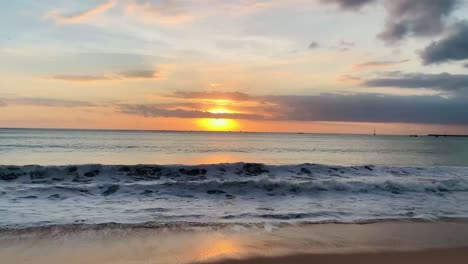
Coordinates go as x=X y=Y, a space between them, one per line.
x=375 y=133
x=414 y=136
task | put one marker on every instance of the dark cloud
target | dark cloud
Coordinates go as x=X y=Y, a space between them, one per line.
x=49 y=102
x=376 y=64
x=453 y=47
x=441 y=82
x=159 y=111
x=80 y=78
x=349 y=4
x=416 y=18
x=236 y=96
x=373 y=108
x=465 y=65
x=313 y=45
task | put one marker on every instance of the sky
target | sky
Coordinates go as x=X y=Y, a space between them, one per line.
x=319 y=66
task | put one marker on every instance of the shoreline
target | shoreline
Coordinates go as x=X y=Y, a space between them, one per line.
x=402 y=242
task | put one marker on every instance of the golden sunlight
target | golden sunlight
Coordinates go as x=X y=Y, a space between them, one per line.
x=219 y=111
x=218 y=124
x=222 y=247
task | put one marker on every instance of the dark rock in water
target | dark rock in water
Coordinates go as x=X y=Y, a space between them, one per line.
x=93 y=173
x=305 y=171
x=58 y=179
x=111 y=190
x=72 y=169
x=254 y=169
x=54 y=196
x=13 y=168
x=193 y=172
x=229 y=196
x=215 y=192
x=37 y=175
x=369 y=168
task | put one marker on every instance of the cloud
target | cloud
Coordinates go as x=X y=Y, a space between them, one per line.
x=165 y=12
x=3 y=104
x=416 y=18
x=372 y=108
x=441 y=82
x=126 y=75
x=453 y=47
x=80 y=78
x=236 y=96
x=349 y=4
x=59 y=18
x=331 y=108
x=378 y=64
x=346 y=78
x=49 y=102
x=159 y=111
x=345 y=45
x=465 y=65
x=313 y=45
x=140 y=74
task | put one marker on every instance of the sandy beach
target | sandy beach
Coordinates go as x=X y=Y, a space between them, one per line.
x=391 y=242
x=434 y=256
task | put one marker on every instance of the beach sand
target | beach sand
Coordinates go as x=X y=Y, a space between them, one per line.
x=391 y=242
x=434 y=256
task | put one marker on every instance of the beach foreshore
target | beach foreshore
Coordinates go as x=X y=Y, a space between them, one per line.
x=383 y=242
x=433 y=256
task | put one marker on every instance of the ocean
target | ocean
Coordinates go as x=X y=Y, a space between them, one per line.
x=90 y=177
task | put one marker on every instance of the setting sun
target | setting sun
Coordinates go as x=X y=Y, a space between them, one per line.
x=219 y=111
x=218 y=124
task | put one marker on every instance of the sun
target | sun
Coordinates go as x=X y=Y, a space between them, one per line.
x=218 y=124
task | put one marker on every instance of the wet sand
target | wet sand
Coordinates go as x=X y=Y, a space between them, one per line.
x=435 y=256
x=390 y=242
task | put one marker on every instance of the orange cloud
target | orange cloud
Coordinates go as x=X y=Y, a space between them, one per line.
x=79 y=17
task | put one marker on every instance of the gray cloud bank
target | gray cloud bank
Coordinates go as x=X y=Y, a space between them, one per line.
x=334 y=108
x=453 y=47
x=406 y=18
x=155 y=110
x=445 y=82
x=416 y=18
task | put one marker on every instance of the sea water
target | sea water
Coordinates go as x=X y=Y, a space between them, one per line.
x=88 y=177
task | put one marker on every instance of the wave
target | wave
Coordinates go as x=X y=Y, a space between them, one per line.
x=229 y=180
